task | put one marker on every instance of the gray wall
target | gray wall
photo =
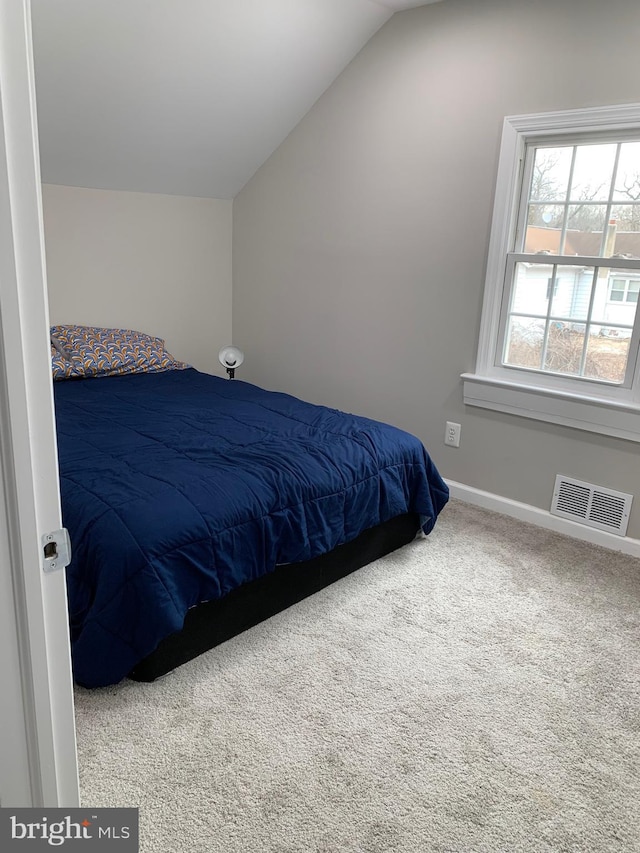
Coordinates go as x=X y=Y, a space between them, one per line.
x=157 y=263
x=359 y=248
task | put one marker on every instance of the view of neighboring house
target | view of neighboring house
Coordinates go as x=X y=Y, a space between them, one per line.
x=615 y=294
x=558 y=311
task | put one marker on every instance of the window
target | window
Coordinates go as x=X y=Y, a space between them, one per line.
x=560 y=330
x=624 y=290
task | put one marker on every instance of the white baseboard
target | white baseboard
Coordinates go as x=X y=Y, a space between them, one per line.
x=543 y=518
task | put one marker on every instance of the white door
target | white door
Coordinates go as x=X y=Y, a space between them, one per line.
x=38 y=763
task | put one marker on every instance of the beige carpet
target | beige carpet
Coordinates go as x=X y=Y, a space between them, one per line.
x=476 y=691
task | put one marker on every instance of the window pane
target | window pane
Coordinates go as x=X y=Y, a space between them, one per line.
x=550 y=177
x=525 y=339
x=585 y=224
x=531 y=289
x=572 y=293
x=610 y=307
x=564 y=348
x=593 y=172
x=616 y=293
x=607 y=354
x=626 y=224
x=544 y=227
x=546 y=215
x=627 y=185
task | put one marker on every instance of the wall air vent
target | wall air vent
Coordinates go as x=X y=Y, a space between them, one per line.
x=591 y=505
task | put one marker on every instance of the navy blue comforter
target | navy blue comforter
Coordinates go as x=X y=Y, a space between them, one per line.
x=178 y=487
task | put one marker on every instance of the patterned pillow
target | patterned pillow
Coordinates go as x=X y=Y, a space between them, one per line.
x=92 y=351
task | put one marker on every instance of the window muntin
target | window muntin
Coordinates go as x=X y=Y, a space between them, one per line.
x=566 y=312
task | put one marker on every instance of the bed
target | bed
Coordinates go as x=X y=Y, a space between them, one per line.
x=198 y=506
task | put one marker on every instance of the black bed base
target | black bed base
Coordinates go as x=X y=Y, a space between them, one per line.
x=213 y=622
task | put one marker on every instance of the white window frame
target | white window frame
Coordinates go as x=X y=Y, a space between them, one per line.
x=625 y=293
x=583 y=404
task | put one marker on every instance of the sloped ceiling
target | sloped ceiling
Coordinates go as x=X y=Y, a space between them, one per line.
x=187 y=97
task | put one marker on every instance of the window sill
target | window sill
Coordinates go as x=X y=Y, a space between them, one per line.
x=594 y=414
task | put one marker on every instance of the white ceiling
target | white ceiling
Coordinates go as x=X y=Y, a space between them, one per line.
x=187 y=97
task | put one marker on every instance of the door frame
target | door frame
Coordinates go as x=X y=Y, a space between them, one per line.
x=28 y=439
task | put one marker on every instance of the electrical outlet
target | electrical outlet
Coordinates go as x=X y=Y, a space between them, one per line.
x=452 y=434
